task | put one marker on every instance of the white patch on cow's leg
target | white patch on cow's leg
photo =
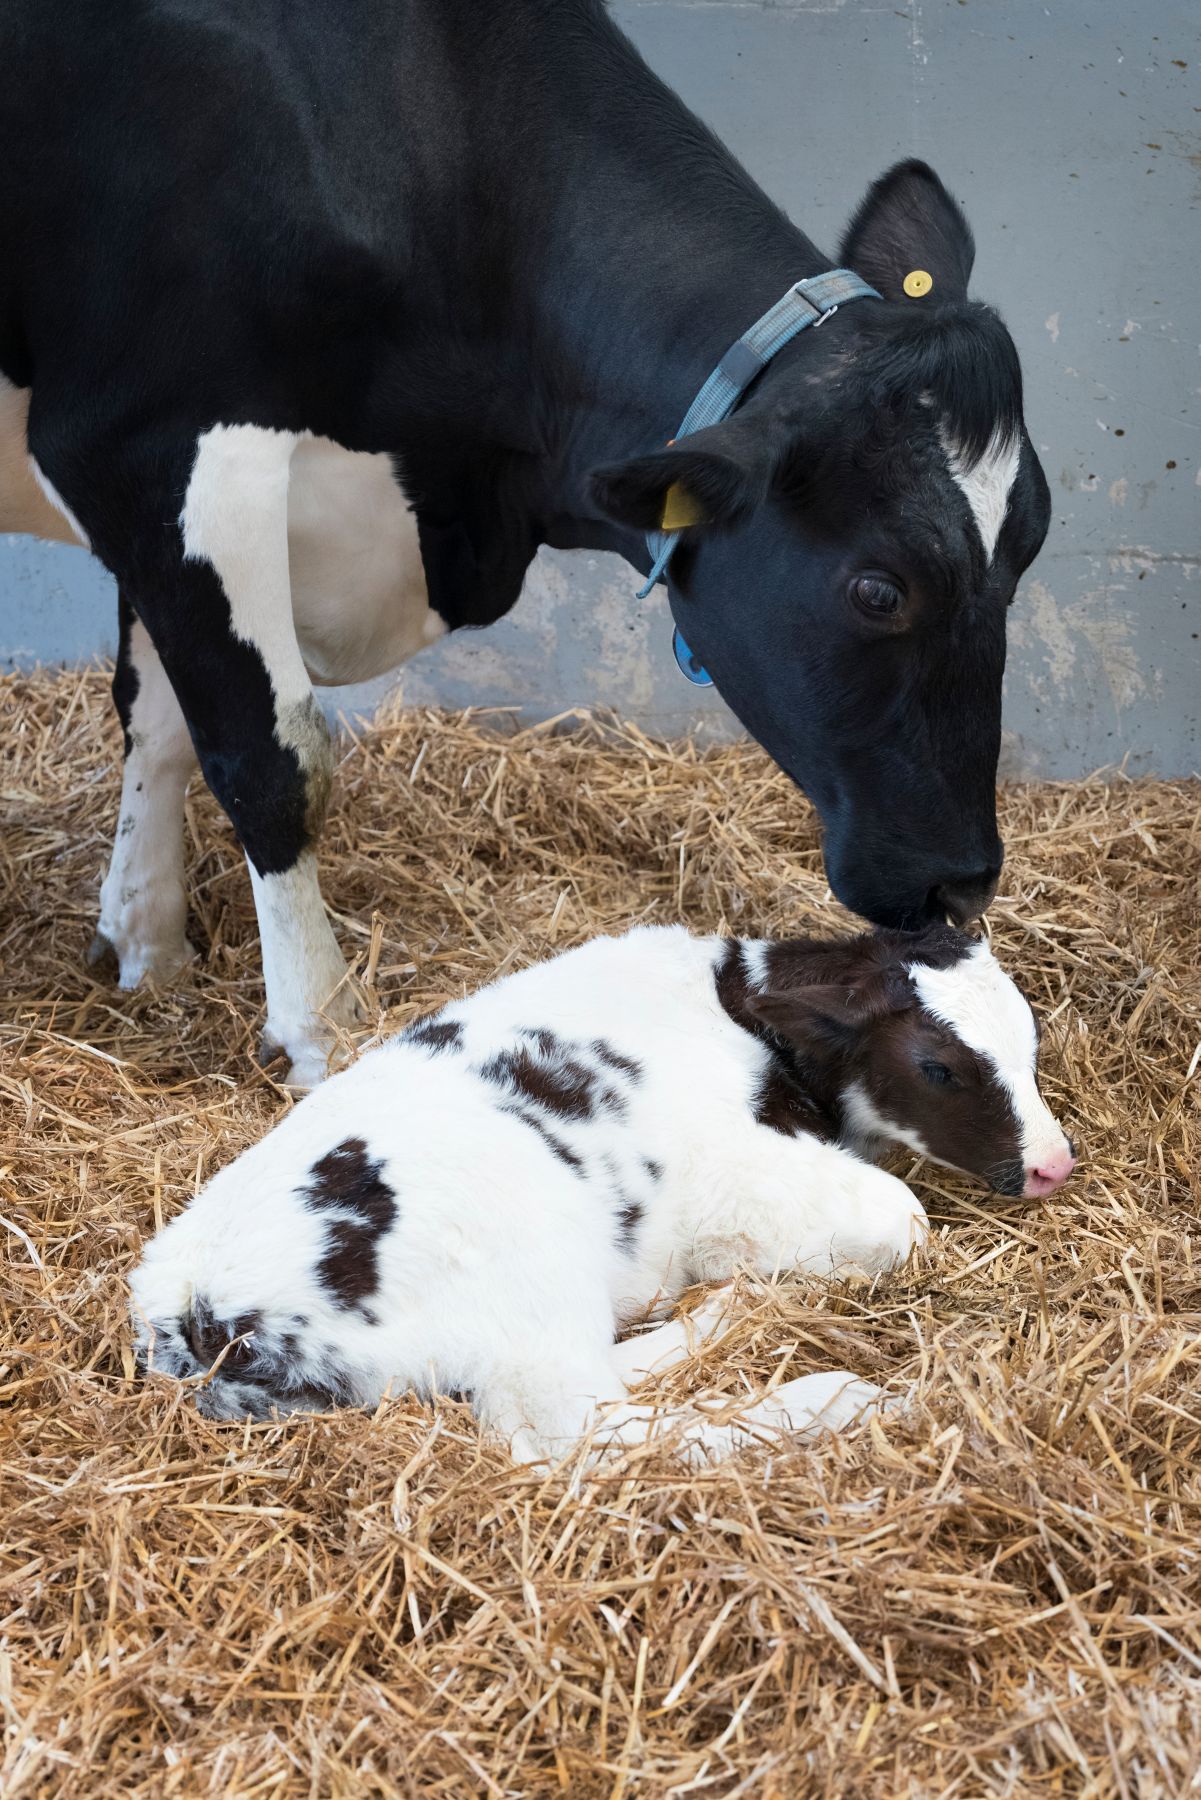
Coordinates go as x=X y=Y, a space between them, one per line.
x=302 y=967
x=985 y=483
x=235 y=517
x=143 y=906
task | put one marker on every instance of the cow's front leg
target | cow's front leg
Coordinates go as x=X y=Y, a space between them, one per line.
x=263 y=743
x=143 y=906
x=210 y=584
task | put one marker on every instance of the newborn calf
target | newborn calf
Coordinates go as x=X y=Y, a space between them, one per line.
x=480 y=1205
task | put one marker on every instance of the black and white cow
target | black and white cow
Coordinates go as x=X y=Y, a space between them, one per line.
x=316 y=321
x=482 y=1203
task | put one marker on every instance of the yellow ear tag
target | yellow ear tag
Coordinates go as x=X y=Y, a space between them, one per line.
x=680 y=509
x=917 y=283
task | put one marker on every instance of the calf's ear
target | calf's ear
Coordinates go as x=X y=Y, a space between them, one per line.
x=718 y=476
x=832 y=1013
x=909 y=226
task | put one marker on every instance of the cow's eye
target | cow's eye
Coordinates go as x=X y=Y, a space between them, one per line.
x=937 y=1074
x=877 y=594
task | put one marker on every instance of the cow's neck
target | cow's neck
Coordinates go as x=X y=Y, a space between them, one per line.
x=638 y=335
x=591 y=303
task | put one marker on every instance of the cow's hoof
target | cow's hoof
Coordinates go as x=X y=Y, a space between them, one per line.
x=102 y=956
x=133 y=963
x=308 y=1070
x=308 y=1061
x=314 y=1044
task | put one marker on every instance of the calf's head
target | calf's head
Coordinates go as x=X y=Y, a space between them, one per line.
x=864 y=518
x=921 y=1040
x=261 y=1287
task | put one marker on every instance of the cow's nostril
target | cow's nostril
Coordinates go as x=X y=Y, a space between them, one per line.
x=965 y=898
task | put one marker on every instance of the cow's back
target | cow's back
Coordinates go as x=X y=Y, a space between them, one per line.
x=201 y=176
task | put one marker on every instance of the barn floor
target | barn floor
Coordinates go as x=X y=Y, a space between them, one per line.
x=999 y=1594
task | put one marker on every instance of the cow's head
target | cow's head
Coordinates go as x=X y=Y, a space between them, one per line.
x=866 y=515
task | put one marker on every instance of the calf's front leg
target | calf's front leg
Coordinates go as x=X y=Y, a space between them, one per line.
x=776 y=1202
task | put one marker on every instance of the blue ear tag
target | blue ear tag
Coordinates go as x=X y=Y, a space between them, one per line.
x=689 y=665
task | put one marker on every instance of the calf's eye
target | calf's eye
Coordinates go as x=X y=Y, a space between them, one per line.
x=937 y=1074
x=876 y=594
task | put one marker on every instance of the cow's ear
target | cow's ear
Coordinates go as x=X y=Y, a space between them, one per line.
x=715 y=477
x=909 y=238
x=832 y=1013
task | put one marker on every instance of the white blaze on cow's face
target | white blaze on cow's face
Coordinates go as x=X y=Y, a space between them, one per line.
x=985 y=482
x=976 y=1000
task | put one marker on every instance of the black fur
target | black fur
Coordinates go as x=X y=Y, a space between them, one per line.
x=530 y=1116
x=435 y=1034
x=348 y=1185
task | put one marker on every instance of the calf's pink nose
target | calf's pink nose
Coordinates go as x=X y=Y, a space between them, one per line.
x=1049 y=1172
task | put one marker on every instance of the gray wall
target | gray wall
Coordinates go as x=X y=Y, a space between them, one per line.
x=1072 y=132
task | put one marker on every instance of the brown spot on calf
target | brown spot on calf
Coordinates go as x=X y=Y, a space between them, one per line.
x=435 y=1034
x=347 y=1183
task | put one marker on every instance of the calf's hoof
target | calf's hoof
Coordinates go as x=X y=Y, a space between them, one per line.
x=829 y=1401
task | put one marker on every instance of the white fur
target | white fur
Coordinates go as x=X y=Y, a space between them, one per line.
x=506 y=1271
x=865 y=1125
x=235 y=516
x=302 y=969
x=143 y=907
x=754 y=961
x=986 y=483
x=59 y=504
x=979 y=1002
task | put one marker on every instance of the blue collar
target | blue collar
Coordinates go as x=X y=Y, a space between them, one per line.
x=809 y=302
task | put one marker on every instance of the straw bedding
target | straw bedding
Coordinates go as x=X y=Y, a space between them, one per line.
x=998 y=1593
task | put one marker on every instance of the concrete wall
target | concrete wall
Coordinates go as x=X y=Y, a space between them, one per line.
x=1071 y=129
